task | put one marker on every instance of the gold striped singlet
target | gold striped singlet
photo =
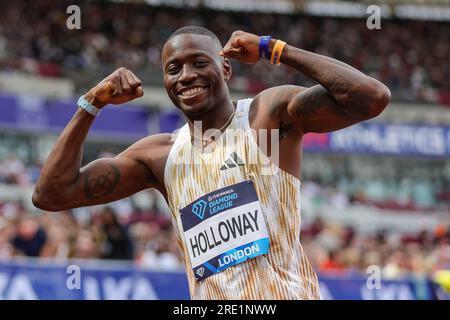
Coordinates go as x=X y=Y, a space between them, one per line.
x=190 y=173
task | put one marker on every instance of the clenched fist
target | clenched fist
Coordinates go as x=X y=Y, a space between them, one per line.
x=242 y=46
x=119 y=87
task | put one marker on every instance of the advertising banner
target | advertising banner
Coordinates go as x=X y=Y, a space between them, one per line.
x=94 y=280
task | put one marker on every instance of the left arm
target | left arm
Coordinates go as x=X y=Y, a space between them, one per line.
x=344 y=95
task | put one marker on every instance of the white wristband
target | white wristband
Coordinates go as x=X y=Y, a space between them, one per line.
x=82 y=103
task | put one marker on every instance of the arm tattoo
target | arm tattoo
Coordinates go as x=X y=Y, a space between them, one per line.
x=101 y=185
x=315 y=99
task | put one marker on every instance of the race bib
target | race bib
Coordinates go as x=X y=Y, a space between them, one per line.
x=224 y=228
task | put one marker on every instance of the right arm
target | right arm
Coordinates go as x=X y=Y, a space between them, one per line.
x=63 y=184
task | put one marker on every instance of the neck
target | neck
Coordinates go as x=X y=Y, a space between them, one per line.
x=215 y=118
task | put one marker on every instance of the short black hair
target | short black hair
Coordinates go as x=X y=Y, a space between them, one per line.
x=197 y=30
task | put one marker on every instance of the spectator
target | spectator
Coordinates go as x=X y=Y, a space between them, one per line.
x=117 y=244
x=30 y=237
x=85 y=246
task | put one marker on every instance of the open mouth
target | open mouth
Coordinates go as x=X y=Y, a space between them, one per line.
x=191 y=92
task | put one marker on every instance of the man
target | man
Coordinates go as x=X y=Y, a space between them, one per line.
x=236 y=211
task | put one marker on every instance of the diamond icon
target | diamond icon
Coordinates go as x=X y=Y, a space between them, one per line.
x=200 y=272
x=199 y=209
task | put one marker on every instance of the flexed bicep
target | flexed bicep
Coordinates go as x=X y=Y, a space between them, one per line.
x=101 y=181
x=306 y=110
x=107 y=179
x=315 y=110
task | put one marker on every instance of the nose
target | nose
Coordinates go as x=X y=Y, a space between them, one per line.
x=187 y=74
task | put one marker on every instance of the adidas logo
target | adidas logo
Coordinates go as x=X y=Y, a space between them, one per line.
x=232 y=161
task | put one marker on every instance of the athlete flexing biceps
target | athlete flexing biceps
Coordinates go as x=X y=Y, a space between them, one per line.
x=344 y=96
x=248 y=248
x=64 y=185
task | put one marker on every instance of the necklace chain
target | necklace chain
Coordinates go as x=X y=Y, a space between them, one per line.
x=205 y=142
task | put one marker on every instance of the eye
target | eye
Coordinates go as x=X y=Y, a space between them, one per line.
x=172 y=69
x=200 y=63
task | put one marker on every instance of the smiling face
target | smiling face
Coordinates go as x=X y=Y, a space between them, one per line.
x=195 y=74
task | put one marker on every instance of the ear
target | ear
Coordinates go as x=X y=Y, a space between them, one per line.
x=227 y=71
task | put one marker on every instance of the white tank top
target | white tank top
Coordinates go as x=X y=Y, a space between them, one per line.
x=284 y=272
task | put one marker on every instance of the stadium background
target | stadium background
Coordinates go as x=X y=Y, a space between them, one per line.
x=375 y=197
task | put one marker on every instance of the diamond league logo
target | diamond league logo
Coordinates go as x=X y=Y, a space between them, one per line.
x=199 y=209
x=200 y=272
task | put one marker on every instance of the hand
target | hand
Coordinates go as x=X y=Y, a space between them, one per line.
x=243 y=47
x=119 y=87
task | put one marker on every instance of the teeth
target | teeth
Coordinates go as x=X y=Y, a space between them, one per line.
x=191 y=92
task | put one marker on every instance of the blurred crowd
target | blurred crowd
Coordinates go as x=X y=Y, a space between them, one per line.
x=116 y=232
x=146 y=238
x=13 y=171
x=411 y=57
x=338 y=249
x=406 y=194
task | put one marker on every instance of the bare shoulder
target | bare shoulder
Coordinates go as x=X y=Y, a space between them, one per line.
x=151 y=151
x=156 y=140
x=268 y=106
